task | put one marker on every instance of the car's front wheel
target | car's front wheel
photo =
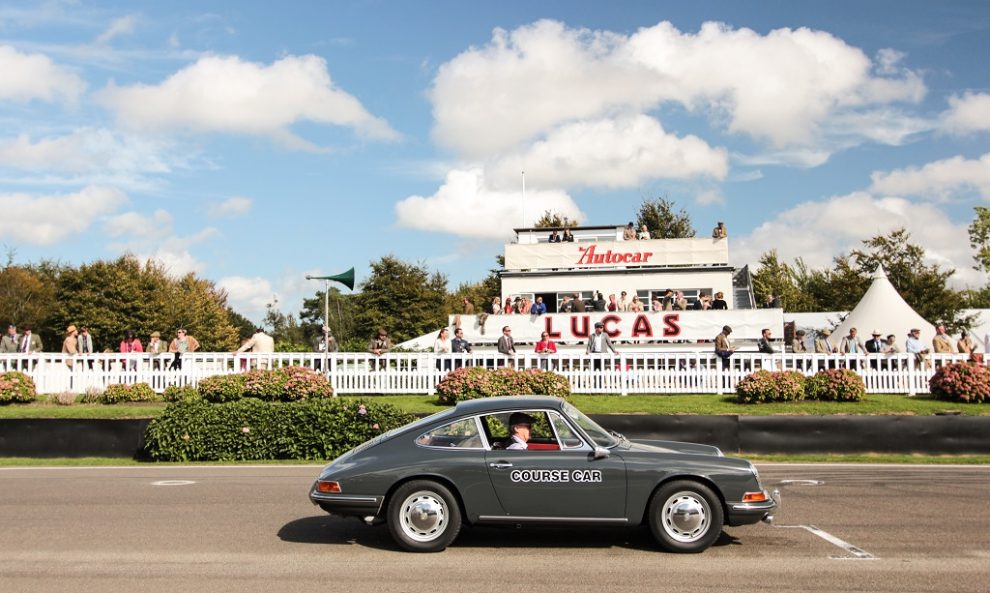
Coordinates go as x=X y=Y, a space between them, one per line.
x=685 y=516
x=423 y=516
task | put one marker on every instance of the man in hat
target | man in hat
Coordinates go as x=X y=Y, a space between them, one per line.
x=720 y=232
x=30 y=342
x=874 y=346
x=914 y=346
x=822 y=343
x=797 y=344
x=598 y=343
x=520 y=425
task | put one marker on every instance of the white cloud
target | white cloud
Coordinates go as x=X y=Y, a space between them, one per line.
x=247 y=295
x=154 y=227
x=85 y=150
x=781 y=87
x=465 y=205
x=34 y=76
x=967 y=114
x=620 y=152
x=710 y=197
x=818 y=231
x=230 y=208
x=153 y=237
x=49 y=219
x=121 y=26
x=227 y=94
x=943 y=179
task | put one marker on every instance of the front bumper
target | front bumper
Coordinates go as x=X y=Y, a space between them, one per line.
x=747 y=513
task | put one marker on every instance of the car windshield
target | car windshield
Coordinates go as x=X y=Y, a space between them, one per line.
x=599 y=435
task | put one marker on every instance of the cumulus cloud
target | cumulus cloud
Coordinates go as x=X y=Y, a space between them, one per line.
x=49 y=219
x=780 y=87
x=227 y=94
x=967 y=114
x=465 y=205
x=943 y=179
x=818 y=231
x=154 y=227
x=230 y=208
x=247 y=295
x=35 y=76
x=85 y=150
x=121 y=26
x=620 y=152
x=153 y=237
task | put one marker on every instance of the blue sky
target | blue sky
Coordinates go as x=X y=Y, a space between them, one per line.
x=254 y=144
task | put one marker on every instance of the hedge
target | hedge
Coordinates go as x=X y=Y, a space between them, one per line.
x=839 y=385
x=964 y=382
x=283 y=384
x=770 y=386
x=117 y=393
x=251 y=429
x=477 y=382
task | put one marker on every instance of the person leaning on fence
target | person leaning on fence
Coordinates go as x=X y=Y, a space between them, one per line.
x=441 y=347
x=379 y=346
x=942 y=343
x=599 y=343
x=914 y=346
x=723 y=349
x=506 y=345
x=70 y=345
x=181 y=344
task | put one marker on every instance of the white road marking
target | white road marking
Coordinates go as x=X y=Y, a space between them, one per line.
x=173 y=483
x=856 y=552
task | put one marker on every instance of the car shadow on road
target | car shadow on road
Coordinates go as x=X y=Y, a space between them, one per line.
x=327 y=529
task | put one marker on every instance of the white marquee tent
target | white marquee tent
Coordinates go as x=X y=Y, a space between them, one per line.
x=882 y=309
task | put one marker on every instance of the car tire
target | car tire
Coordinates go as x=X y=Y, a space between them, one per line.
x=423 y=516
x=685 y=517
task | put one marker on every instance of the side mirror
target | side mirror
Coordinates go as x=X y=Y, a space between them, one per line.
x=601 y=453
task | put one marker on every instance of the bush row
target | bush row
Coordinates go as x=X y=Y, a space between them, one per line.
x=246 y=429
x=842 y=385
x=476 y=382
x=16 y=388
x=284 y=384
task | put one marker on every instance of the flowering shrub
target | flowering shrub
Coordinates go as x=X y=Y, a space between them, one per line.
x=222 y=388
x=317 y=428
x=770 y=386
x=175 y=393
x=476 y=382
x=123 y=392
x=16 y=387
x=263 y=384
x=964 y=382
x=304 y=383
x=840 y=385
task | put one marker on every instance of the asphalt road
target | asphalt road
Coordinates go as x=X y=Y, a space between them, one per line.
x=253 y=529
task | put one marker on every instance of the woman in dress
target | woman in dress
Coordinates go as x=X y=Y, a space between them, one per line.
x=441 y=347
x=496 y=306
x=612 y=305
x=636 y=306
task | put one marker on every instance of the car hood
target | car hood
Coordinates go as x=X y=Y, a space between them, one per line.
x=674 y=447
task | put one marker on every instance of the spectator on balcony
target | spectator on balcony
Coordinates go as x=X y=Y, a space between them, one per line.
x=468 y=306
x=508 y=309
x=539 y=307
x=568 y=236
x=599 y=303
x=942 y=343
x=181 y=344
x=719 y=303
x=554 y=237
x=644 y=233
x=656 y=304
x=496 y=306
x=612 y=304
x=668 y=300
x=635 y=306
x=624 y=302
x=629 y=233
x=578 y=303
x=703 y=303
x=568 y=305
x=680 y=303
x=765 y=343
x=720 y=232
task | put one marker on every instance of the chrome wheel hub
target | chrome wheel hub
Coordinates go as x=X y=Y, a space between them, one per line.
x=685 y=517
x=423 y=516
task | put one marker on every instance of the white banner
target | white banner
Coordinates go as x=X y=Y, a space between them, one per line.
x=665 y=326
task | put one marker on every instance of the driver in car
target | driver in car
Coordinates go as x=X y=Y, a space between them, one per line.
x=519 y=426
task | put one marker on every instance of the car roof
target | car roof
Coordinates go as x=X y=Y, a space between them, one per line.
x=509 y=402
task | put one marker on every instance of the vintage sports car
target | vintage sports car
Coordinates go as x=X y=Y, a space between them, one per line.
x=468 y=465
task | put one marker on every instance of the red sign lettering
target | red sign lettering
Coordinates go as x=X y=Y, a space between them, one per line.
x=671 y=325
x=610 y=320
x=641 y=327
x=590 y=257
x=583 y=331
x=548 y=326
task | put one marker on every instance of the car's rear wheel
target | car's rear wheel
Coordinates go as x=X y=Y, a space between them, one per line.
x=423 y=516
x=685 y=516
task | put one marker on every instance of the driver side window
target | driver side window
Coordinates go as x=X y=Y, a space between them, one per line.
x=541 y=434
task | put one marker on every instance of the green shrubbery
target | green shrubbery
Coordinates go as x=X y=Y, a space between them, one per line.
x=177 y=393
x=119 y=393
x=16 y=387
x=476 y=382
x=318 y=429
x=965 y=382
x=222 y=388
x=838 y=385
x=842 y=385
x=284 y=384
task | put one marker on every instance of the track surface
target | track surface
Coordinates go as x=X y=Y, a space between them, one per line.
x=252 y=529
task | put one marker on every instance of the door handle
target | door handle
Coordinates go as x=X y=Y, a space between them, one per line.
x=500 y=465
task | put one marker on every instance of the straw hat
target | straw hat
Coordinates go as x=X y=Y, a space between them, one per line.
x=70 y=329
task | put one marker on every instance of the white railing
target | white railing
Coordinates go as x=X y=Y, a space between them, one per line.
x=419 y=373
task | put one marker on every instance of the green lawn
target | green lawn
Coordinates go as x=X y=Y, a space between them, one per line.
x=590 y=404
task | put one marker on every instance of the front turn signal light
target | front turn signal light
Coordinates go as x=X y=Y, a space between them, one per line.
x=328 y=487
x=760 y=496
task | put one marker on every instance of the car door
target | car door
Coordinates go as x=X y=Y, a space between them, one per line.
x=566 y=482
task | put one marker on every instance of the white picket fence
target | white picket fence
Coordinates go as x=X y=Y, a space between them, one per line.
x=419 y=373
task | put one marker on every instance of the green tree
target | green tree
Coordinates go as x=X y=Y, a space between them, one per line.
x=27 y=296
x=342 y=309
x=403 y=298
x=551 y=219
x=244 y=326
x=776 y=278
x=979 y=238
x=659 y=217
x=289 y=336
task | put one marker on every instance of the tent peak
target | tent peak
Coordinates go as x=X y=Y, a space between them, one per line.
x=879 y=273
